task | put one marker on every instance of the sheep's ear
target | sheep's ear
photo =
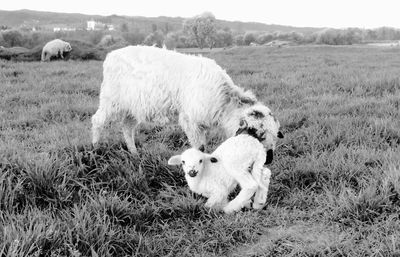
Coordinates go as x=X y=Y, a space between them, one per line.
x=270 y=156
x=280 y=134
x=242 y=127
x=247 y=97
x=257 y=114
x=240 y=131
x=175 y=160
x=243 y=124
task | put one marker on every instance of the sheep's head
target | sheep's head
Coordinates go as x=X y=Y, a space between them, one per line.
x=259 y=122
x=67 y=47
x=192 y=161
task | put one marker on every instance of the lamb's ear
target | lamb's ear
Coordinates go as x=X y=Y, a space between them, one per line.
x=175 y=160
x=202 y=148
x=280 y=134
x=211 y=158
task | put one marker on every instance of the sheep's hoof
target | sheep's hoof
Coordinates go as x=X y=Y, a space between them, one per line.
x=258 y=206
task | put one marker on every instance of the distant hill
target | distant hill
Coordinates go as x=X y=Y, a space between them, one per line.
x=48 y=20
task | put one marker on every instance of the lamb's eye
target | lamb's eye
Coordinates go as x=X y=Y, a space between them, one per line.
x=183 y=162
x=200 y=161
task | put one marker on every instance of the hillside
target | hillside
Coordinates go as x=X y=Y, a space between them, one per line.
x=31 y=18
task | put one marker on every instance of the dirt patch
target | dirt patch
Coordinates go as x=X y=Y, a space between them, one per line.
x=294 y=239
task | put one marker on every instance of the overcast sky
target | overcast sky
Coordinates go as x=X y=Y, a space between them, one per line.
x=300 y=13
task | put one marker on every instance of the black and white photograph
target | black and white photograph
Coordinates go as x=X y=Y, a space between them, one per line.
x=199 y=128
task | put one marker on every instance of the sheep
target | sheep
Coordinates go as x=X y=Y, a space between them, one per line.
x=56 y=47
x=216 y=175
x=149 y=84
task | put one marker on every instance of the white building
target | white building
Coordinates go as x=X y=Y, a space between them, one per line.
x=91 y=25
x=56 y=29
x=96 y=25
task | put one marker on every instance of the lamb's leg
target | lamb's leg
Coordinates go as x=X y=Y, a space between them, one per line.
x=248 y=188
x=195 y=133
x=128 y=129
x=217 y=200
x=260 y=197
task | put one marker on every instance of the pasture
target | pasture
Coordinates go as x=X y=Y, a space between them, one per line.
x=335 y=187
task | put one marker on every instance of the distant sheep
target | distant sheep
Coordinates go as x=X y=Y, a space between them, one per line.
x=55 y=48
x=239 y=159
x=149 y=84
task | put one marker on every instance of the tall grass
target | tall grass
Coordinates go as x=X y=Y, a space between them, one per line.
x=335 y=188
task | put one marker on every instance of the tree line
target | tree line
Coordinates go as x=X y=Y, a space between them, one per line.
x=200 y=31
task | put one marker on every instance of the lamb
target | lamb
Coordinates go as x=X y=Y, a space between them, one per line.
x=56 y=47
x=216 y=175
x=149 y=84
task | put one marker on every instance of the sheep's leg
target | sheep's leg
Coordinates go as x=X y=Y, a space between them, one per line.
x=44 y=53
x=128 y=129
x=98 y=121
x=249 y=187
x=260 y=197
x=195 y=133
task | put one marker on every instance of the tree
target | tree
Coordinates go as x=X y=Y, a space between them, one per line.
x=154 y=27
x=296 y=36
x=12 y=38
x=124 y=27
x=133 y=38
x=264 y=38
x=224 y=38
x=154 y=38
x=249 y=37
x=238 y=40
x=166 y=28
x=202 y=29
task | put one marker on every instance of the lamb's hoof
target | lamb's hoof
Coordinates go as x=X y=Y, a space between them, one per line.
x=229 y=210
x=207 y=205
x=247 y=205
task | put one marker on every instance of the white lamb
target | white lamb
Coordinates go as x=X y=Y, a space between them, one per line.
x=149 y=84
x=239 y=159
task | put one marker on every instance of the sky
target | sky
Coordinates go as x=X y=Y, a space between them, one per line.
x=301 y=13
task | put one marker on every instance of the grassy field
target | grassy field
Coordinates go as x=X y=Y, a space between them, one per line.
x=335 y=188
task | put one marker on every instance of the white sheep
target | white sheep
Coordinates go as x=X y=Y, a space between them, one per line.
x=149 y=84
x=56 y=47
x=240 y=159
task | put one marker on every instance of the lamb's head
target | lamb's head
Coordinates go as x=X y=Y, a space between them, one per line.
x=192 y=161
x=258 y=121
